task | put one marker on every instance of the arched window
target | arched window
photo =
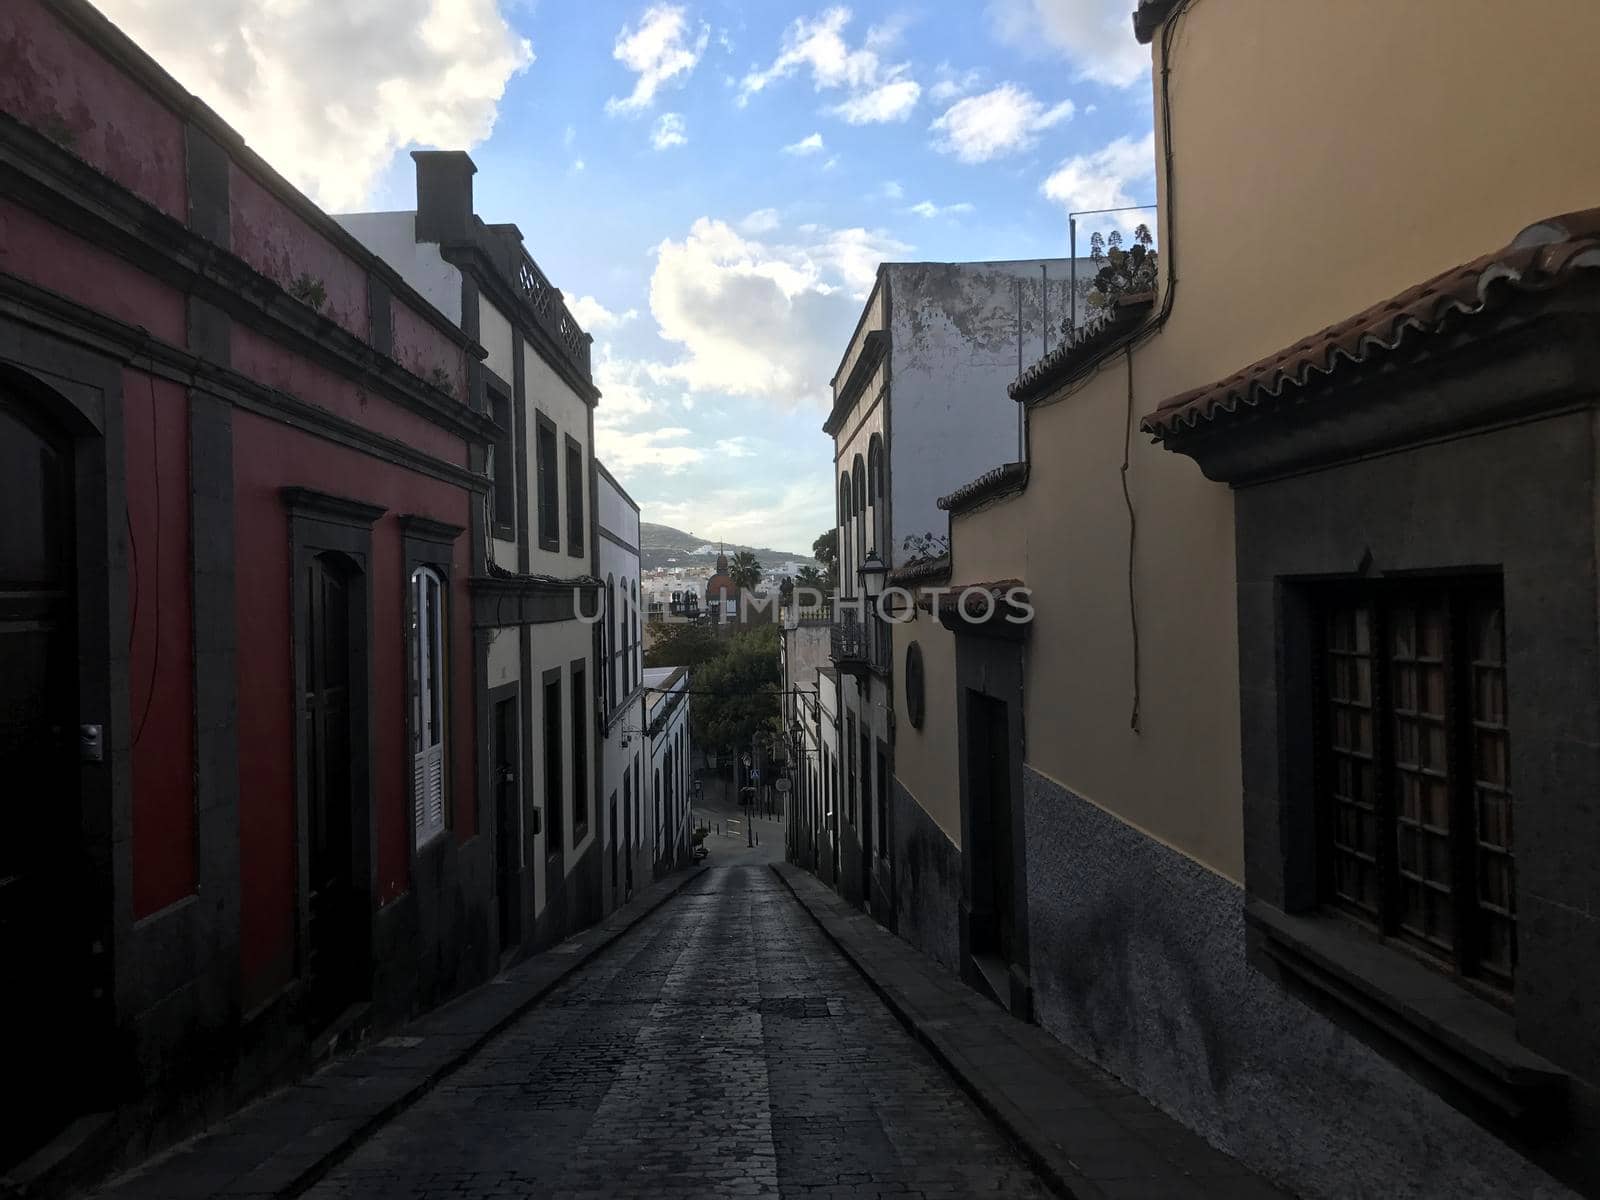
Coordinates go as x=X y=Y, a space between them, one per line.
x=608 y=673
x=428 y=683
x=875 y=486
x=859 y=509
x=842 y=549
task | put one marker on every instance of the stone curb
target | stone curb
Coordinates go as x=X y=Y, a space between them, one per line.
x=279 y=1147
x=1102 y=1109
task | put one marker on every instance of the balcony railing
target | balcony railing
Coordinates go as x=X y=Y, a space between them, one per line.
x=857 y=647
x=551 y=310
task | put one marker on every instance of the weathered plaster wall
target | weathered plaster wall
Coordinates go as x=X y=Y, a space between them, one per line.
x=51 y=80
x=266 y=361
x=283 y=247
x=927 y=881
x=1138 y=963
x=954 y=337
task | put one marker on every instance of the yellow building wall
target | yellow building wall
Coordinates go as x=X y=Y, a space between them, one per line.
x=927 y=761
x=1325 y=156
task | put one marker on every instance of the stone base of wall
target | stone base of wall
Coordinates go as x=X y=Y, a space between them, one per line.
x=1138 y=963
x=927 y=879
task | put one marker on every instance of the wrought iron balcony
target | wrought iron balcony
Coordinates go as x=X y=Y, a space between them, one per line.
x=856 y=647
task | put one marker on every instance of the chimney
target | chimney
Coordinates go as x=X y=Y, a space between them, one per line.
x=444 y=194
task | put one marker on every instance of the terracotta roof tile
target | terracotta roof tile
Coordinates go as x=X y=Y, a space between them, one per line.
x=1008 y=477
x=1543 y=256
x=1083 y=347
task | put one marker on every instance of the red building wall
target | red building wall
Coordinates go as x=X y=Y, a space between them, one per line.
x=283 y=247
x=267 y=457
x=155 y=416
x=33 y=249
x=50 y=79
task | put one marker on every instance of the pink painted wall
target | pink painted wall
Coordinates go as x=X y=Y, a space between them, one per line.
x=283 y=247
x=420 y=346
x=53 y=81
x=161 y=667
x=268 y=362
x=267 y=457
x=33 y=249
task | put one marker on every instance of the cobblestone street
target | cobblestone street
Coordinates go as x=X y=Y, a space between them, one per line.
x=724 y=1048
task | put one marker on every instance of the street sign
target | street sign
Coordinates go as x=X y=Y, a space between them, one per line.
x=782 y=786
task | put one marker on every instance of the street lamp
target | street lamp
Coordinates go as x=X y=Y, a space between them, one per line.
x=873 y=572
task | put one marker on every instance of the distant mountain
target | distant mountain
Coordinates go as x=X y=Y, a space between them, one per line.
x=660 y=543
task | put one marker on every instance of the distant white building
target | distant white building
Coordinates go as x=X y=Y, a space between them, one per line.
x=628 y=860
x=669 y=747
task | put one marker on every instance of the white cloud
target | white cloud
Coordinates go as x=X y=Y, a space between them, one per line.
x=763 y=220
x=668 y=132
x=927 y=208
x=736 y=447
x=596 y=317
x=570 y=135
x=756 y=320
x=1096 y=36
x=329 y=93
x=811 y=144
x=628 y=450
x=892 y=101
x=578 y=165
x=999 y=122
x=875 y=91
x=657 y=50
x=892 y=190
x=952 y=83
x=1106 y=178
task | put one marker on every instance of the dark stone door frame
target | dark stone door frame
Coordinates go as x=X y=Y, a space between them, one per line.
x=319 y=524
x=989 y=662
x=80 y=392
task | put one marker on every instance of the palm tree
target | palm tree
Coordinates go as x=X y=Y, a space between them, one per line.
x=745 y=571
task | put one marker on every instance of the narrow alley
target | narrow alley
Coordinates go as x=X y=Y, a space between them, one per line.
x=725 y=1048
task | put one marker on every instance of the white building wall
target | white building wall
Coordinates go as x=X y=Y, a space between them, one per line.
x=622 y=713
x=954 y=333
x=392 y=236
x=547 y=393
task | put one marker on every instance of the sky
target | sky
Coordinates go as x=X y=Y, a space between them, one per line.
x=711 y=184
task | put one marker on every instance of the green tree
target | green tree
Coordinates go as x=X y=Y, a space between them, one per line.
x=785 y=590
x=736 y=693
x=826 y=551
x=810 y=577
x=683 y=645
x=745 y=571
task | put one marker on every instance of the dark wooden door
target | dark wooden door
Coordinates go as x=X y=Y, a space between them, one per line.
x=44 y=942
x=989 y=764
x=508 y=822
x=335 y=961
x=627 y=836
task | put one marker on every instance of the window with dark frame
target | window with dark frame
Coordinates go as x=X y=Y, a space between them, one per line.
x=549 y=485
x=554 y=834
x=580 y=751
x=505 y=465
x=850 y=775
x=1416 y=817
x=575 y=505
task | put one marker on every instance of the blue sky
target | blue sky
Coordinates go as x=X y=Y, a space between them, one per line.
x=711 y=184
